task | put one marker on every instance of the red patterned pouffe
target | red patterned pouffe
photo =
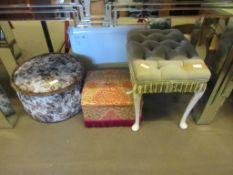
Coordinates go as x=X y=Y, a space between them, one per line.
x=105 y=101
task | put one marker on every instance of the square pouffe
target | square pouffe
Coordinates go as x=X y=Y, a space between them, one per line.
x=49 y=86
x=106 y=99
x=164 y=61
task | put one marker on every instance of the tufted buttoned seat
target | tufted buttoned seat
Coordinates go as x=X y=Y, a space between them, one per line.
x=164 y=61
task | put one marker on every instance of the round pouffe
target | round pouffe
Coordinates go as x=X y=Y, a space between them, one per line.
x=49 y=86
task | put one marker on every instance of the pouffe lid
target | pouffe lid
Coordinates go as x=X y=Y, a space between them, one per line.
x=47 y=74
x=109 y=87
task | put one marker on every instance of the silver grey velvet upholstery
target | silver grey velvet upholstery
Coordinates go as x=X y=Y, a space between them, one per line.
x=164 y=55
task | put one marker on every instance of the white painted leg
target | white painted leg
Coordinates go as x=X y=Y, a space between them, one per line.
x=192 y=103
x=137 y=107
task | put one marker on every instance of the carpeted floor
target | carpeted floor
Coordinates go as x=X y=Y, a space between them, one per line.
x=160 y=147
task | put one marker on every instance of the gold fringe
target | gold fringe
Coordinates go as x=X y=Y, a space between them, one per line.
x=167 y=86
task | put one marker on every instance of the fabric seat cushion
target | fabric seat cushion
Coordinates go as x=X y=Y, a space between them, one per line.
x=164 y=55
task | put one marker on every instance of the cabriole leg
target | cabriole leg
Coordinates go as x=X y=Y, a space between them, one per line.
x=192 y=103
x=137 y=106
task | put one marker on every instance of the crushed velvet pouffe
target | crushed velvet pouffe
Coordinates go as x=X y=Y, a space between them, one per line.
x=105 y=99
x=164 y=61
x=49 y=86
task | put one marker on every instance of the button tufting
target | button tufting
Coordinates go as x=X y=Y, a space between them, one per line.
x=162 y=44
x=164 y=55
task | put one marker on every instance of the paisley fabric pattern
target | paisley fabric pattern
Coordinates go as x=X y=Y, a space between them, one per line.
x=108 y=113
x=5 y=104
x=53 y=108
x=47 y=73
x=105 y=101
x=107 y=87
